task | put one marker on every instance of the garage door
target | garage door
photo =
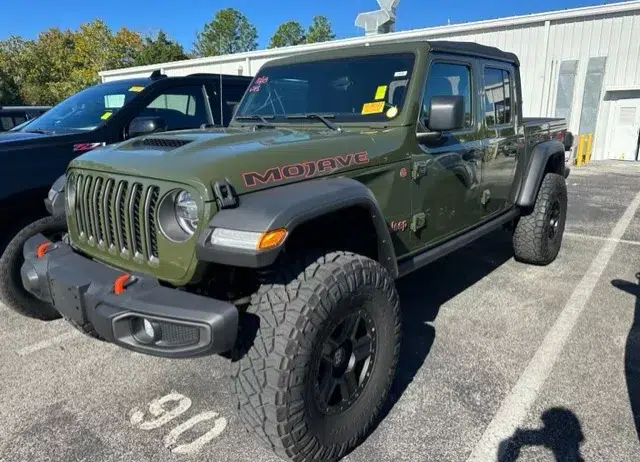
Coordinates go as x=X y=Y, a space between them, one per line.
x=623 y=142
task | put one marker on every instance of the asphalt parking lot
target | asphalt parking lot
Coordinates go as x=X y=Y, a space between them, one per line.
x=498 y=357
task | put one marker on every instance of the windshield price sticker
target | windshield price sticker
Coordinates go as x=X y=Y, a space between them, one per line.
x=400 y=74
x=136 y=88
x=106 y=115
x=381 y=92
x=258 y=83
x=373 y=108
x=392 y=112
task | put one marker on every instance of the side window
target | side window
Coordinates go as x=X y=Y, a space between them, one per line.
x=447 y=79
x=6 y=123
x=497 y=97
x=17 y=120
x=180 y=107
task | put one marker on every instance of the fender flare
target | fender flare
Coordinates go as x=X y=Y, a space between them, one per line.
x=289 y=207
x=534 y=173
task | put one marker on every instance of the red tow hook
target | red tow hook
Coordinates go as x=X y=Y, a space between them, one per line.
x=42 y=249
x=122 y=282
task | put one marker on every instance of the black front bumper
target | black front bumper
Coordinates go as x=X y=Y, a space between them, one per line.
x=179 y=324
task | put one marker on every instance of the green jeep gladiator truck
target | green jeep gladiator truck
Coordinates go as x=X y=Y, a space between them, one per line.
x=276 y=241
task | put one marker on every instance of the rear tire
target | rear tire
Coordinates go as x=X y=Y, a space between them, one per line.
x=318 y=373
x=12 y=292
x=538 y=236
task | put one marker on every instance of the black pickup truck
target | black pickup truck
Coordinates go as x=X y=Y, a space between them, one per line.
x=32 y=157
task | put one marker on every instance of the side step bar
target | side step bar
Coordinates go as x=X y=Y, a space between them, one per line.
x=440 y=250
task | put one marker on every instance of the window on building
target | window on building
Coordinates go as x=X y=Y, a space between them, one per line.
x=591 y=96
x=447 y=79
x=498 y=104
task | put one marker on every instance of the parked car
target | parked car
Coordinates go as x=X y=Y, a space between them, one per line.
x=277 y=241
x=12 y=116
x=36 y=154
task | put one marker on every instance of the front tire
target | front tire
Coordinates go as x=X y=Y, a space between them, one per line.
x=12 y=292
x=538 y=235
x=318 y=373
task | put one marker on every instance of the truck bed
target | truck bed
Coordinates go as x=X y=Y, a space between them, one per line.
x=537 y=129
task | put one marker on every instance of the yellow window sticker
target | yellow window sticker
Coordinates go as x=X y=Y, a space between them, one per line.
x=136 y=88
x=392 y=112
x=106 y=115
x=373 y=108
x=381 y=92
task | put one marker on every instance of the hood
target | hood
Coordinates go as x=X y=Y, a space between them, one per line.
x=7 y=137
x=250 y=160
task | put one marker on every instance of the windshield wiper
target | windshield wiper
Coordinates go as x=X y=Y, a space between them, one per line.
x=324 y=118
x=40 y=131
x=262 y=119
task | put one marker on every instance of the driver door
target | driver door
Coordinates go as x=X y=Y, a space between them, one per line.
x=446 y=171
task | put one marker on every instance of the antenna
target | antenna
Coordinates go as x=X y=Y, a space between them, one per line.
x=381 y=21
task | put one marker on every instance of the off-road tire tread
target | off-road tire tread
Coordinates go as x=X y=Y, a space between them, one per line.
x=12 y=293
x=260 y=378
x=529 y=240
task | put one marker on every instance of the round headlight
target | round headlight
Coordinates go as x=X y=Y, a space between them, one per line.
x=186 y=210
x=71 y=193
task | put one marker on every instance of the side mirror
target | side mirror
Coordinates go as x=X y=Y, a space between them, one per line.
x=146 y=125
x=446 y=113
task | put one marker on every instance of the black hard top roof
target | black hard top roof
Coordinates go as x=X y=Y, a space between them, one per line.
x=472 y=48
x=400 y=46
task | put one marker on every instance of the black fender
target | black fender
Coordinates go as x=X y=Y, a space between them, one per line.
x=535 y=171
x=289 y=207
x=54 y=202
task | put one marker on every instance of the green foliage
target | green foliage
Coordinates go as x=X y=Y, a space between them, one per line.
x=59 y=63
x=320 y=30
x=160 y=50
x=287 y=34
x=229 y=32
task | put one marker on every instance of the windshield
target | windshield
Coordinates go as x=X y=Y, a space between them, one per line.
x=87 y=109
x=355 y=89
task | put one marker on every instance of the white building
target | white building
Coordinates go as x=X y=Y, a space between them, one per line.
x=582 y=64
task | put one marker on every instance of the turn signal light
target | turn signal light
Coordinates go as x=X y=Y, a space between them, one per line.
x=272 y=239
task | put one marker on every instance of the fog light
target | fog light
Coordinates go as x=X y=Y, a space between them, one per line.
x=148 y=328
x=146 y=331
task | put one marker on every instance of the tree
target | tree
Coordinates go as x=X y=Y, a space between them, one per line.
x=288 y=33
x=160 y=50
x=320 y=30
x=229 y=32
x=11 y=69
x=60 y=63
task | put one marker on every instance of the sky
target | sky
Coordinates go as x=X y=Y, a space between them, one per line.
x=182 y=20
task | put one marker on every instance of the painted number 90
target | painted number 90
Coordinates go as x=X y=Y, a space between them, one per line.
x=167 y=408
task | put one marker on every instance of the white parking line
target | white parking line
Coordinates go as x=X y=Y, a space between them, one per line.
x=601 y=238
x=48 y=343
x=516 y=405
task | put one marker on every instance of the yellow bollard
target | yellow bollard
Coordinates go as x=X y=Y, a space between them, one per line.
x=589 y=147
x=580 y=151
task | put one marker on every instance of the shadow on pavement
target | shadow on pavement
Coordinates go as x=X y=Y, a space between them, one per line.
x=561 y=433
x=632 y=350
x=423 y=293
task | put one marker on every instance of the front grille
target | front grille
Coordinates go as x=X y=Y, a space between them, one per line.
x=178 y=335
x=118 y=215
